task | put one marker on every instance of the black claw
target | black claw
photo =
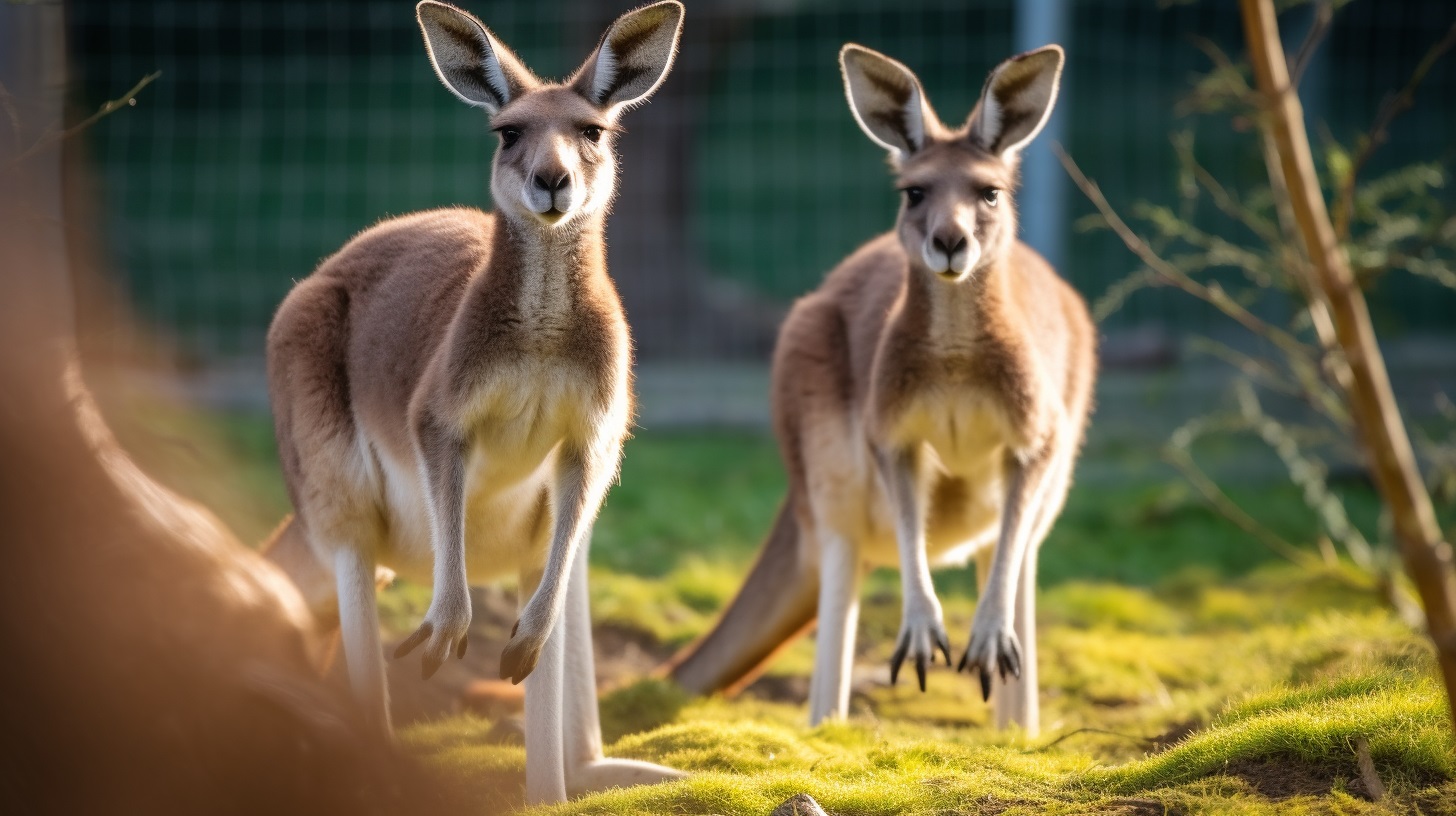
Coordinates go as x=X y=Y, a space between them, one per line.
x=920 y=671
x=428 y=667
x=897 y=658
x=944 y=645
x=515 y=626
x=965 y=658
x=410 y=643
x=985 y=686
x=460 y=649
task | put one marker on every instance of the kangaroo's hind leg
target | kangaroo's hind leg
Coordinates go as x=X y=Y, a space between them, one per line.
x=839 y=583
x=545 y=717
x=587 y=770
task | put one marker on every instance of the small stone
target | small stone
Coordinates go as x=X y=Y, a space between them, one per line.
x=800 y=804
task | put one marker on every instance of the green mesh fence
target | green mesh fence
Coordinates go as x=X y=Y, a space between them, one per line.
x=280 y=129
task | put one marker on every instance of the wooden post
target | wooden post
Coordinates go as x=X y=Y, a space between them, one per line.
x=1372 y=405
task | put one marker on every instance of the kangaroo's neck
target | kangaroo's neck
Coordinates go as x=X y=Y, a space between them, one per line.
x=952 y=317
x=539 y=277
x=560 y=258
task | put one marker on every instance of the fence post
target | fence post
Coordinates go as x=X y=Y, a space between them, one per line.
x=1043 y=194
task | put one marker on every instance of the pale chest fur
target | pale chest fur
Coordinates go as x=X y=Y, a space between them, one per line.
x=965 y=430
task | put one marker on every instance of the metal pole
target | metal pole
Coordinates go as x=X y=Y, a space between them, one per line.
x=1043 y=195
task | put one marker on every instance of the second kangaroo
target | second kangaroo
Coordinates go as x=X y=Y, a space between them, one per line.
x=929 y=401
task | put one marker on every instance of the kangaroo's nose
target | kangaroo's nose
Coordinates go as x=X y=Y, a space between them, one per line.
x=550 y=185
x=949 y=244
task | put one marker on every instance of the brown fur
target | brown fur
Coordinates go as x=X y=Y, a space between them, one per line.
x=890 y=360
x=153 y=664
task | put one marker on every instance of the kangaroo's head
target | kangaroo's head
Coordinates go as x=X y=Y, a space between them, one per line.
x=957 y=214
x=555 y=163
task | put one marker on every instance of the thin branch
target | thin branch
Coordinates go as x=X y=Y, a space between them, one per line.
x=1392 y=107
x=1075 y=731
x=1226 y=201
x=54 y=134
x=1212 y=294
x=1256 y=369
x=1324 y=12
x=1230 y=509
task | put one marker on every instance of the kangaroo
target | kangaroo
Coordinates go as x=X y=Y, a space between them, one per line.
x=451 y=391
x=929 y=400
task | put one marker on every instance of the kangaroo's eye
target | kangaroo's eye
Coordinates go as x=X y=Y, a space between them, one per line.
x=991 y=196
x=509 y=136
x=914 y=195
x=592 y=133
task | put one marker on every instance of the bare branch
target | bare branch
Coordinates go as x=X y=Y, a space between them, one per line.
x=54 y=134
x=1392 y=107
x=1324 y=12
x=1213 y=295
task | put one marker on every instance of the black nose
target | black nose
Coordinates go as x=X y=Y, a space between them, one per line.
x=550 y=186
x=943 y=243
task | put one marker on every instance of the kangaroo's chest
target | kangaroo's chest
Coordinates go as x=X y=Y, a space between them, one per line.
x=966 y=430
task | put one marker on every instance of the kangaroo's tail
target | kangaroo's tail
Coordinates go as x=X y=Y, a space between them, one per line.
x=777 y=604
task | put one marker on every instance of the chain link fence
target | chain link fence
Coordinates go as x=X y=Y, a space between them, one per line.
x=279 y=129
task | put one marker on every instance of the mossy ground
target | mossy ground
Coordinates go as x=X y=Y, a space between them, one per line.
x=1184 y=668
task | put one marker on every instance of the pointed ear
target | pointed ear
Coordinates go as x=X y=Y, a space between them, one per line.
x=633 y=57
x=469 y=60
x=1017 y=100
x=886 y=99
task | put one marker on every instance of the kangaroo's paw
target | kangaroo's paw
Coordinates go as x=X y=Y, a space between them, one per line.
x=522 y=653
x=443 y=632
x=921 y=633
x=604 y=774
x=993 y=645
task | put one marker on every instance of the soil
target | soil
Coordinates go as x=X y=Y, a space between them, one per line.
x=1283 y=778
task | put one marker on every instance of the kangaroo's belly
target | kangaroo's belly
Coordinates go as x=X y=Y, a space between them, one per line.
x=516 y=436
x=964 y=443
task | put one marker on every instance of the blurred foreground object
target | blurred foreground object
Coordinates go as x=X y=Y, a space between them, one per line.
x=1367 y=387
x=152 y=663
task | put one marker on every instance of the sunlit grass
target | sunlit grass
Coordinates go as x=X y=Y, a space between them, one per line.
x=1181 y=663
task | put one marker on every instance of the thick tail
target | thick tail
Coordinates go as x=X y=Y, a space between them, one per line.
x=776 y=605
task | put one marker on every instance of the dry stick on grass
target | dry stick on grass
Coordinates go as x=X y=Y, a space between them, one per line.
x=1377 y=418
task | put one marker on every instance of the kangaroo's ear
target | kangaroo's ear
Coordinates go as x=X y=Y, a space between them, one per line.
x=886 y=99
x=633 y=57
x=472 y=63
x=1017 y=100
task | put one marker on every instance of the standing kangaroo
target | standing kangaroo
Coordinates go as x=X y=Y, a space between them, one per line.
x=929 y=400
x=451 y=391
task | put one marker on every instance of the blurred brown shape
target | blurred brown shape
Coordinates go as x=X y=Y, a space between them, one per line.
x=493 y=698
x=152 y=663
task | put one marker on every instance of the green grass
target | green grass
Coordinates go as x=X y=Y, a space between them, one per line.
x=1184 y=667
